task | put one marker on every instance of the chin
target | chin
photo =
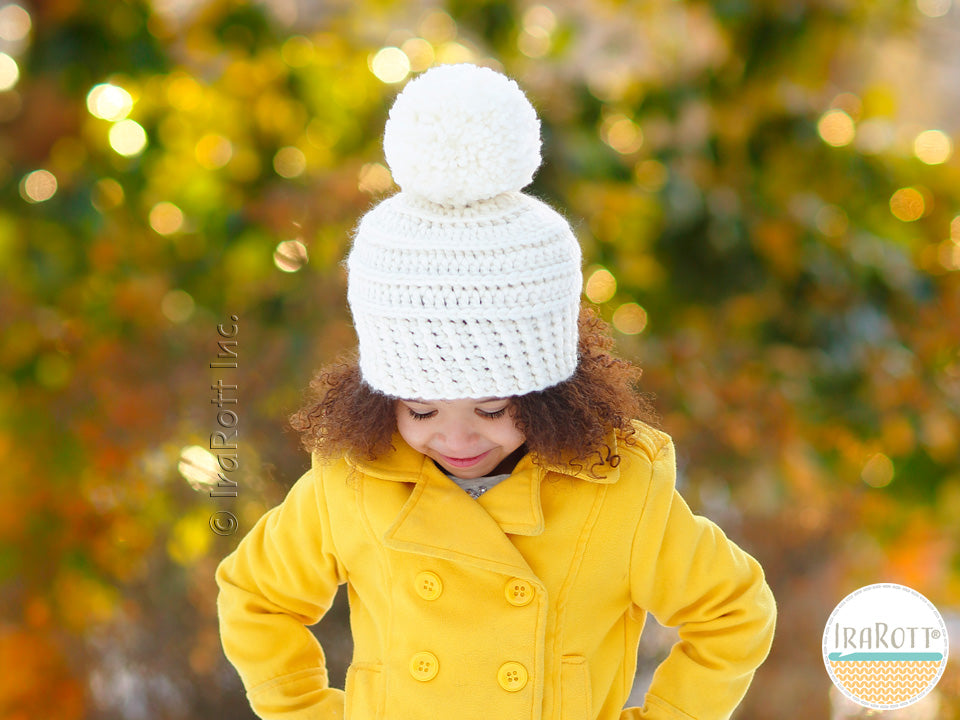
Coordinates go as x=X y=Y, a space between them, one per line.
x=466 y=474
x=469 y=473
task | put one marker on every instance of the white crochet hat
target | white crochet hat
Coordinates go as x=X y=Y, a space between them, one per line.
x=460 y=285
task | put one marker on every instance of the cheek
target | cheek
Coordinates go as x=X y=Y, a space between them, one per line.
x=510 y=435
x=411 y=433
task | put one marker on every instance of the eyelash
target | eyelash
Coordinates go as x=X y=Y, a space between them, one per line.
x=487 y=415
x=420 y=416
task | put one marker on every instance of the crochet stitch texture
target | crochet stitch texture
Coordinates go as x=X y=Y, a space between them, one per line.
x=460 y=285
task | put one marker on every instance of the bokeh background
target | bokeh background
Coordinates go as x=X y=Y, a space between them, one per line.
x=768 y=198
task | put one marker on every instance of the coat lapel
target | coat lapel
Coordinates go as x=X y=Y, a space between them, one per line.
x=441 y=520
x=514 y=504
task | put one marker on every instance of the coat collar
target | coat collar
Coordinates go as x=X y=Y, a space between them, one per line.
x=404 y=464
x=441 y=520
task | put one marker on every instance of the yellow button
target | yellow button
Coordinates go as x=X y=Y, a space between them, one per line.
x=519 y=592
x=424 y=666
x=428 y=585
x=512 y=676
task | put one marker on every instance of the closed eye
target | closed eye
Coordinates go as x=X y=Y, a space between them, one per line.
x=492 y=415
x=421 y=416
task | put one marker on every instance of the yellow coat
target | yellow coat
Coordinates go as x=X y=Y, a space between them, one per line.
x=524 y=604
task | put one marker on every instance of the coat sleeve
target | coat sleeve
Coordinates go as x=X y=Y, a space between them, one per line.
x=282 y=577
x=689 y=575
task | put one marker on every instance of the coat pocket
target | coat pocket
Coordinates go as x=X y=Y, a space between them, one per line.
x=364 y=691
x=575 y=700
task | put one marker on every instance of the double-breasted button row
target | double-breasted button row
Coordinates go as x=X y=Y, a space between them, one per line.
x=424 y=666
x=518 y=592
x=512 y=676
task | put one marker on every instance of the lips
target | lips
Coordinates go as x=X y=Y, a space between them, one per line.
x=465 y=462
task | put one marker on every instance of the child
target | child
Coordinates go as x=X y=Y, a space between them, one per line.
x=502 y=522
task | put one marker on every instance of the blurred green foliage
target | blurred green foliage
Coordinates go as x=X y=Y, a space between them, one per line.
x=767 y=219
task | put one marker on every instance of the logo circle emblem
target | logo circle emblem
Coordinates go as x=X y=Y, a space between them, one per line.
x=885 y=646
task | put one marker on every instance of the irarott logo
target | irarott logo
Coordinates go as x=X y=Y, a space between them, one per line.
x=885 y=646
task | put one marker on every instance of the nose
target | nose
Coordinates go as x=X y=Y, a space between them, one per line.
x=458 y=435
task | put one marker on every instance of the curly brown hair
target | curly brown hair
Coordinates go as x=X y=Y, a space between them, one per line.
x=568 y=422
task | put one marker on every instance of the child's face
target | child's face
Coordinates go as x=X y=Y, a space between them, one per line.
x=468 y=438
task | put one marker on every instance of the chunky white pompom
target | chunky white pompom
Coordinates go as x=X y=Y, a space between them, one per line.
x=462 y=133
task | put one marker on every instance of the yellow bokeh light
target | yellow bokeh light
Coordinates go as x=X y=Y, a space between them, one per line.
x=127 y=138
x=934 y=8
x=832 y=221
x=420 y=52
x=622 y=134
x=109 y=102
x=438 y=27
x=955 y=229
x=297 y=51
x=15 y=23
x=38 y=186
x=933 y=147
x=608 y=82
x=630 y=319
x=836 y=128
x=189 y=538
x=177 y=306
x=850 y=103
x=166 y=218
x=540 y=16
x=9 y=72
x=245 y=164
x=290 y=255
x=183 y=92
x=451 y=53
x=199 y=467
x=107 y=195
x=907 y=204
x=289 y=162
x=874 y=136
x=651 y=175
x=939 y=434
x=600 y=286
x=279 y=115
x=321 y=134
x=390 y=65
x=213 y=151
x=374 y=178
x=534 y=42
x=877 y=471
x=948 y=254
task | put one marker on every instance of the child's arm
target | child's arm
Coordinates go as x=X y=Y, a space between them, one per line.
x=282 y=576
x=688 y=574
